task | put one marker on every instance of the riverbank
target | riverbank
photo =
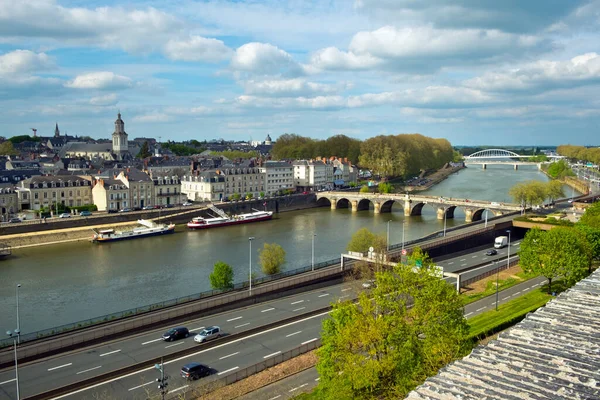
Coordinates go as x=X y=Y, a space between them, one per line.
x=434 y=178
x=574 y=183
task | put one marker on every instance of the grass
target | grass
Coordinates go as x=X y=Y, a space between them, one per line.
x=509 y=313
x=491 y=289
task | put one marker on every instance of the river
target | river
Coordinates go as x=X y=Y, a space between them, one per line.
x=75 y=281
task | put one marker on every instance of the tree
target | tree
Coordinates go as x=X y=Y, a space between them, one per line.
x=383 y=346
x=361 y=241
x=222 y=276
x=559 y=169
x=561 y=252
x=530 y=193
x=592 y=236
x=144 y=151
x=554 y=190
x=364 y=189
x=385 y=187
x=272 y=258
x=591 y=217
x=7 y=149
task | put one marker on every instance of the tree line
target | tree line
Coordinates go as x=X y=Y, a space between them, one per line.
x=580 y=153
x=295 y=147
x=532 y=193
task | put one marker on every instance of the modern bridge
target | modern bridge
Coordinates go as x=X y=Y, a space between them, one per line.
x=502 y=157
x=413 y=204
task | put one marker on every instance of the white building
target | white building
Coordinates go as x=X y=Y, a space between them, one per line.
x=167 y=190
x=205 y=186
x=279 y=176
x=313 y=175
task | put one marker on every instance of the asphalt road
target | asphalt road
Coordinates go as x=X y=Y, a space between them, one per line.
x=308 y=379
x=60 y=370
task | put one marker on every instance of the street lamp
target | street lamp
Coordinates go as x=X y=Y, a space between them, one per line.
x=14 y=335
x=508 y=250
x=486 y=215
x=445 y=222
x=497 y=273
x=18 y=331
x=250 y=239
x=312 y=260
x=403 y=235
x=388 y=235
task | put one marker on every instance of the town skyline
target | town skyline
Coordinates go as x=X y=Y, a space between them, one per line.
x=486 y=74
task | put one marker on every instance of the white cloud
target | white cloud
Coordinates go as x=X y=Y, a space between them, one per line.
x=425 y=48
x=154 y=117
x=290 y=87
x=106 y=100
x=102 y=80
x=24 y=61
x=542 y=75
x=264 y=59
x=197 y=48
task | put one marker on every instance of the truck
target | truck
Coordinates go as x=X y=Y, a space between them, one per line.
x=500 y=242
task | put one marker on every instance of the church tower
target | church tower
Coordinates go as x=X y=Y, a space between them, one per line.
x=119 y=139
x=56 y=131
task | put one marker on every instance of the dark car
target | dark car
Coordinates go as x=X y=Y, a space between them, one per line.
x=491 y=252
x=85 y=214
x=194 y=371
x=175 y=333
x=14 y=220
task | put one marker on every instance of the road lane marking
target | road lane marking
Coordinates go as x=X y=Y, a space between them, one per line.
x=239 y=326
x=481 y=309
x=88 y=370
x=317 y=379
x=276 y=397
x=152 y=341
x=344 y=290
x=292 y=334
x=110 y=352
x=450 y=263
x=506 y=298
x=176 y=360
x=297 y=302
x=309 y=341
x=344 y=296
x=9 y=381
x=268 y=309
x=142 y=385
x=272 y=354
x=176 y=344
x=463 y=265
x=466 y=315
x=230 y=355
x=234 y=319
x=299 y=387
x=462 y=259
x=537 y=284
x=179 y=388
x=517 y=293
x=298 y=309
x=60 y=366
x=324 y=294
x=474 y=257
x=197 y=329
x=227 y=370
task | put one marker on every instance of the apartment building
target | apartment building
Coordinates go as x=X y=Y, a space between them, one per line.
x=40 y=192
x=203 y=186
x=313 y=175
x=279 y=176
x=167 y=190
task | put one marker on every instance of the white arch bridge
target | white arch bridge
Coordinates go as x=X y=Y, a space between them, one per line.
x=413 y=204
x=501 y=157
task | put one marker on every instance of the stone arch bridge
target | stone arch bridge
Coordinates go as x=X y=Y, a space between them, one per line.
x=413 y=204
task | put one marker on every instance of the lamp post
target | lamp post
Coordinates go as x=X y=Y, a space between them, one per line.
x=14 y=335
x=508 y=250
x=403 y=236
x=486 y=212
x=250 y=239
x=445 y=222
x=312 y=259
x=18 y=331
x=497 y=273
x=388 y=235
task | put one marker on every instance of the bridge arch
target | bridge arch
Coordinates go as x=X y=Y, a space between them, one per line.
x=479 y=214
x=364 y=204
x=386 y=206
x=323 y=202
x=342 y=203
x=493 y=153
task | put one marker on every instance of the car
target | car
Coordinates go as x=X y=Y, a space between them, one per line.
x=208 y=333
x=125 y=210
x=369 y=284
x=175 y=333
x=491 y=252
x=148 y=208
x=187 y=203
x=304 y=192
x=570 y=201
x=14 y=220
x=85 y=214
x=64 y=215
x=194 y=370
x=169 y=205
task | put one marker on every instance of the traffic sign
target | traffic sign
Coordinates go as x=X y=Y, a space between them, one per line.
x=404 y=252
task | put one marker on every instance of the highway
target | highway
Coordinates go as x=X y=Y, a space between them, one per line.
x=308 y=379
x=60 y=370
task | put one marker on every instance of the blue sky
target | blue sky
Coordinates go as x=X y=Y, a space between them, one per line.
x=471 y=71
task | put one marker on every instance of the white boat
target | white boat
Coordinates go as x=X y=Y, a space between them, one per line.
x=148 y=228
x=224 y=220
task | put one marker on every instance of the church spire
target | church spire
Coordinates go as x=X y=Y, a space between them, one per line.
x=56 y=131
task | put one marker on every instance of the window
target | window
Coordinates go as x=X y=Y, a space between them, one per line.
x=70 y=193
x=45 y=195
x=111 y=197
x=62 y=194
x=78 y=192
x=53 y=195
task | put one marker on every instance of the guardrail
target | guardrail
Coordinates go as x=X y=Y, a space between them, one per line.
x=149 y=363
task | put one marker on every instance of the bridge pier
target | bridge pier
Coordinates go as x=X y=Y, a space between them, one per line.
x=354 y=205
x=407 y=207
x=468 y=215
x=377 y=206
x=484 y=166
x=516 y=167
x=334 y=205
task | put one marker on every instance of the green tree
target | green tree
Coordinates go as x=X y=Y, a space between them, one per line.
x=236 y=196
x=554 y=190
x=561 y=252
x=559 y=169
x=382 y=347
x=24 y=138
x=7 y=149
x=222 y=276
x=591 y=217
x=363 y=239
x=272 y=258
x=529 y=193
x=592 y=236
x=385 y=187
x=144 y=151
x=364 y=189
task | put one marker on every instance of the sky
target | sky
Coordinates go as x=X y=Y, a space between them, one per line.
x=486 y=72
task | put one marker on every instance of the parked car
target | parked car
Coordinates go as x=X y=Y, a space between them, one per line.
x=176 y=333
x=14 y=220
x=187 y=203
x=125 y=210
x=85 y=214
x=194 y=370
x=64 y=215
x=491 y=252
x=169 y=205
x=209 y=333
x=148 y=207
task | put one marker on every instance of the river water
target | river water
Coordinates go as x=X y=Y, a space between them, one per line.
x=75 y=281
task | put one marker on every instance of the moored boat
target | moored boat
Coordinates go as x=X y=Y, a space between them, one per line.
x=223 y=219
x=148 y=228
